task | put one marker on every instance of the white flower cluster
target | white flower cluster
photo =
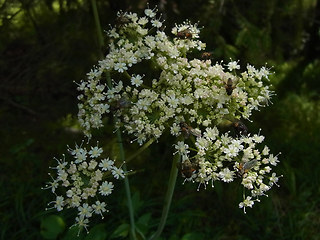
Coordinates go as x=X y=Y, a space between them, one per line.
x=157 y=88
x=225 y=158
x=83 y=181
x=184 y=90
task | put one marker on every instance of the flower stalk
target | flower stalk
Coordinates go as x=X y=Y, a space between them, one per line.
x=168 y=197
x=98 y=25
x=144 y=147
x=127 y=186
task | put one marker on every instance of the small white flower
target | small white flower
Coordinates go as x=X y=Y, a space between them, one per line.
x=92 y=165
x=226 y=175
x=265 y=150
x=82 y=222
x=263 y=187
x=202 y=143
x=233 y=65
x=85 y=210
x=181 y=147
x=251 y=70
x=273 y=160
x=136 y=80
x=117 y=172
x=113 y=33
x=149 y=12
x=247 y=182
x=72 y=169
x=93 y=73
x=173 y=101
x=53 y=185
x=264 y=72
x=99 y=207
x=62 y=176
x=143 y=21
x=133 y=17
x=59 y=203
x=246 y=203
x=80 y=156
x=106 y=164
x=231 y=151
x=69 y=193
x=120 y=67
x=156 y=23
x=75 y=201
x=258 y=138
x=175 y=129
x=273 y=179
x=95 y=152
x=106 y=188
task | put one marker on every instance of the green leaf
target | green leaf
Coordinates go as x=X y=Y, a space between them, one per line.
x=144 y=219
x=136 y=201
x=51 y=226
x=140 y=233
x=143 y=223
x=121 y=231
x=98 y=232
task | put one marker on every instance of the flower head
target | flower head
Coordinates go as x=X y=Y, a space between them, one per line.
x=80 y=182
x=155 y=88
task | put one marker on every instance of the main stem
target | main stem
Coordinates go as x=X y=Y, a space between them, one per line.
x=127 y=186
x=119 y=137
x=168 y=197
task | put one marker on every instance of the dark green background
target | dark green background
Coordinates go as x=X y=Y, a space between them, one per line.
x=47 y=45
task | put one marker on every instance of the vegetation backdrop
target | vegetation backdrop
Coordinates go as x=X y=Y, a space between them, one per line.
x=46 y=45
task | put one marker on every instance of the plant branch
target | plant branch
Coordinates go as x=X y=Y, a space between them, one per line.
x=144 y=147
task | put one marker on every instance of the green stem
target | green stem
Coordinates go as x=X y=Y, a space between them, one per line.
x=127 y=187
x=127 y=75
x=119 y=138
x=168 y=197
x=144 y=147
x=98 y=25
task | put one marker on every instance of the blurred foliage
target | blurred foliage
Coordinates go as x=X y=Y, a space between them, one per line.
x=46 y=45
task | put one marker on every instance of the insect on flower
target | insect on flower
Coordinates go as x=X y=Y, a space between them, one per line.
x=186 y=130
x=187 y=168
x=240 y=128
x=184 y=34
x=120 y=104
x=229 y=86
x=245 y=167
x=121 y=20
x=206 y=55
